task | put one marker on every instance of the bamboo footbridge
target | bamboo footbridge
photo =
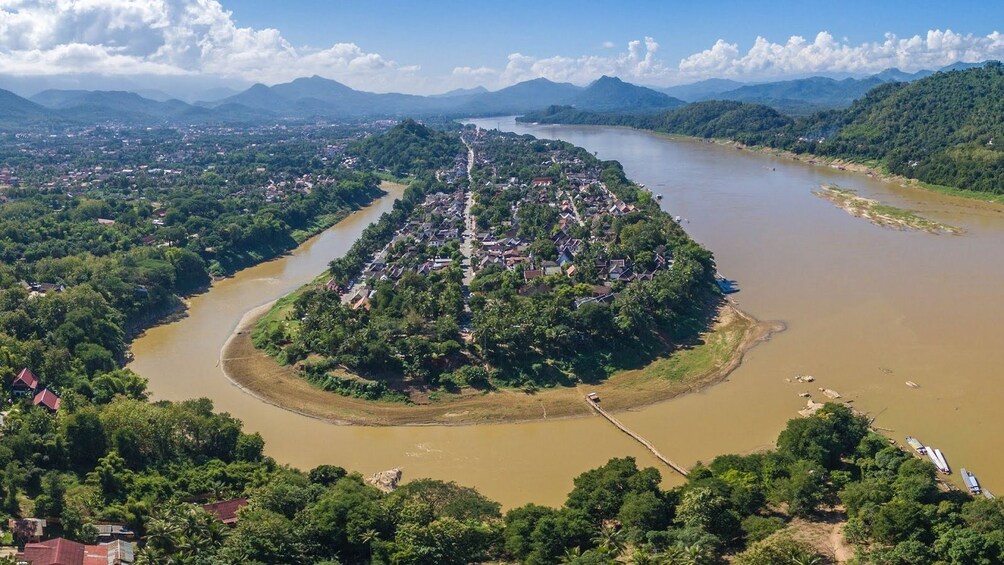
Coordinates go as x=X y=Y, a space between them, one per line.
x=593 y=400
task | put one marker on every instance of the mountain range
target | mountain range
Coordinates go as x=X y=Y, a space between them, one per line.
x=800 y=96
x=316 y=97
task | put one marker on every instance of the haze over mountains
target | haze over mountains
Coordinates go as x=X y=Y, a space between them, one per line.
x=800 y=96
x=319 y=98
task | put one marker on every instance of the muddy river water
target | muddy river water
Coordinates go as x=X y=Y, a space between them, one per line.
x=867 y=308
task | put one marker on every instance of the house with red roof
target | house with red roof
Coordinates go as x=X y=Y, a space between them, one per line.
x=48 y=400
x=25 y=383
x=226 y=510
x=61 y=551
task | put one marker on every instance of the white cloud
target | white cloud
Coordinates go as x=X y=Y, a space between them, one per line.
x=763 y=60
x=467 y=77
x=825 y=54
x=638 y=63
x=167 y=37
x=189 y=39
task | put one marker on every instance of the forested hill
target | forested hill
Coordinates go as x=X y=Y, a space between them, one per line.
x=407 y=148
x=945 y=129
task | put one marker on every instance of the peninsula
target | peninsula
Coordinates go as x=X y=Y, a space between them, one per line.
x=512 y=273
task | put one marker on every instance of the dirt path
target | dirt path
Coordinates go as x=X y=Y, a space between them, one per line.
x=842 y=552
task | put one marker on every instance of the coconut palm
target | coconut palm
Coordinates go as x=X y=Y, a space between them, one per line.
x=643 y=555
x=571 y=555
x=609 y=539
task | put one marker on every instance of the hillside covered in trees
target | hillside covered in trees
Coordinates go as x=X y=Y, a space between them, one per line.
x=944 y=129
x=409 y=148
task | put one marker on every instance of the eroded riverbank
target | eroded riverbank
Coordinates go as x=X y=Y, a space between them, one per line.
x=718 y=353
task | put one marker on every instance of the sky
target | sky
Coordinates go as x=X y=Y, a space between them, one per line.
x=432 y=46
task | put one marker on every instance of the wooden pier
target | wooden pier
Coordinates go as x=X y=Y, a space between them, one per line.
x=593 y=400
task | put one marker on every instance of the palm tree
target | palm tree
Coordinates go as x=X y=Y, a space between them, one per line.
x=643 y=555
x=679 y=554
x=806 y=559
x=571 y=555
x=609 y=539
x=369 y=537
x=152 y=556
x=162 y=534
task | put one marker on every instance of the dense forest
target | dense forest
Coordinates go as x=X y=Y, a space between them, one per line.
x=408 y=148
x=81 y=272
x=151 y=467
x=945 y=129
x=399 y=320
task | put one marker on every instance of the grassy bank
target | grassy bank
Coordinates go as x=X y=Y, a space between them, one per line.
x=716 y=354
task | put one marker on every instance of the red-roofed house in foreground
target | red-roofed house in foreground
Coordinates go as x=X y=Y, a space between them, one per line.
x=25 y=383
x=48 y=400
x=62 y=551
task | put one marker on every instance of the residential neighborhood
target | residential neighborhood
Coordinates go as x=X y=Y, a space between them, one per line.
x=578 y=211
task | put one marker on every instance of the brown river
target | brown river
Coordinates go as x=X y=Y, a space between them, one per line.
x=867 y=308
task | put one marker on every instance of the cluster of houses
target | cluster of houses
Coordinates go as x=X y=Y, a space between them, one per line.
x=456 y=172
x=580 y=201
x=113 y=545
x=586 y=202
x=26 y=384
x=8 y=176
x=415 y=247
x=303 y=184
x=36 y=289
x=115 y=542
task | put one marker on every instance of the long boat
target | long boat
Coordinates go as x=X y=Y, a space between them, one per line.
x=971 y=483
x=935 y=455
x=944 y=462
x=916 y=445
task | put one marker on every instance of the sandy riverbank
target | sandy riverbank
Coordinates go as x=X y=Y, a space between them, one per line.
x=719 y=352
x=881 y=214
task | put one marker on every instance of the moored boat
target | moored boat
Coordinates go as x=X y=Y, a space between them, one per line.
x=725 y=285
x=916 y=445
x=944 y=463
x=971 y=483
x=935 y=456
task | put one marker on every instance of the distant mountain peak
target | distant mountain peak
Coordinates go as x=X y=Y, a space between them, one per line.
x=606 y=79
x=609 y=93
x=461 y=92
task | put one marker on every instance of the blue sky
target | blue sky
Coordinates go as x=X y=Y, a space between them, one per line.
x=431 y=46
x=440 y=35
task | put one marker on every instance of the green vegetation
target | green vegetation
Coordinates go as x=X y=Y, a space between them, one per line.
x=95 y=245
x=945 y=129
x=624 y=287
x=109 y=455
x=141 y=464
x=408 y=149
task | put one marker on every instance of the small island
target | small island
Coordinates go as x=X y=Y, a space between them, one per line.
x=512 y=273
x=881 y=214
